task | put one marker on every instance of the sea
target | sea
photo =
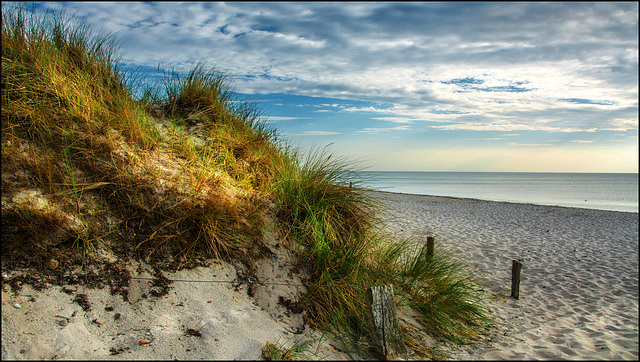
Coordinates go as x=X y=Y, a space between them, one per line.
x=604 y=191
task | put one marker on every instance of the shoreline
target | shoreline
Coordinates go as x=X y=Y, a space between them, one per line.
x=579 y=283
x=486 y=200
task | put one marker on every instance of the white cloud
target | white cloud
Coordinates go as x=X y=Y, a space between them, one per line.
x=505 y=127
x=384 y=129
x=581 y=141
x=529 y=144
x=315 y=133
x=556 y=67
x=395 y=119
x=272 y=118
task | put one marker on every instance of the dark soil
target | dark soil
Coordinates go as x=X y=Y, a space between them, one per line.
x=65 y=265
x=83 y=301
x=193 y=332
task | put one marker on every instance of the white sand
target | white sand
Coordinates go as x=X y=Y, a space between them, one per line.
x=578 y=294
x=579 y=282
x=232 y=324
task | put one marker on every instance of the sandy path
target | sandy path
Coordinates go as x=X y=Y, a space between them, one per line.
x=579 y=284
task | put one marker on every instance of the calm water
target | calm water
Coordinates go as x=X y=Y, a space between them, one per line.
x=610 y=191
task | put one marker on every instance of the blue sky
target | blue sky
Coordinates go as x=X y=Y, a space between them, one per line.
x=424 y=86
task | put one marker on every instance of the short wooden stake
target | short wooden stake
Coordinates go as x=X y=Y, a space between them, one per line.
x=515 y=278
x=383 y=322
x=430 y=242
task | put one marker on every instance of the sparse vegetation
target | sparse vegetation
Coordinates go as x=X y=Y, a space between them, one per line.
x=279 y=352
x=176 y=176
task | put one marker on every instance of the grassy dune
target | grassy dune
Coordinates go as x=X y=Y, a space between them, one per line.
x=190 y=174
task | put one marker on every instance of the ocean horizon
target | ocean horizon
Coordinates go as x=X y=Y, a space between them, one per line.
x=603 y=191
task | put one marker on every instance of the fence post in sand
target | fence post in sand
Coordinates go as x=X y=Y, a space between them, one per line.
x=430 y=242
x=383 y=323
x=515 y=278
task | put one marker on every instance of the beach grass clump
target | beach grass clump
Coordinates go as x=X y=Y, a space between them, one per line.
x=186 y=171
x=236 y=140
x=342 y=243
x=329 y=223
x=437 y=286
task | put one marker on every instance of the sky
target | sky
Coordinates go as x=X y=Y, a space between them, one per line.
x=413 y=86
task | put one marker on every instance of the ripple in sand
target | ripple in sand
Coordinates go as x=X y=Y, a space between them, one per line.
x=574 y=344
x=499 y=355
x=567 y=351
x=545 y=353
x=554 y=340
x=530 y=336
x=613 y=328
x=595 y=334
x=622 y=343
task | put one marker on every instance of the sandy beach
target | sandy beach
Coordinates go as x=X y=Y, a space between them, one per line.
x=578 y=294
x=579 y=282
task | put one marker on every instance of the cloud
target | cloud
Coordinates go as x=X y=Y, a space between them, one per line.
x=469 y=84
x=274 y=119
x=504 y=127
x=395 y=119
x=315 y=133
x=529 y=144
x=384 y=129
x=581 y=141
x=505 y=66
x=444 y=111
x=587 y=101
x=464 y=81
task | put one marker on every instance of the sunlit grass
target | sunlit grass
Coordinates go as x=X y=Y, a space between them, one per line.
x=70 y=119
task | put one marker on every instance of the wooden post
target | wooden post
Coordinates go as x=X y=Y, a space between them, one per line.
x=430 y=242
x=383 y=322
x=515 y=279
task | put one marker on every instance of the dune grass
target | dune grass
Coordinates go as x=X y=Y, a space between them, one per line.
x=331 y=225
x=335 y=228
x=187 y=172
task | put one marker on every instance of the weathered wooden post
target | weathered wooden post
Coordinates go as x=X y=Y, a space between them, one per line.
x=430 y=242
x=383 y=322
x=516 y=266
